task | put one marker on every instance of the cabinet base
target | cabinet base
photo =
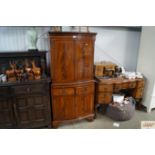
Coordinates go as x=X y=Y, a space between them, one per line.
x=56 y=124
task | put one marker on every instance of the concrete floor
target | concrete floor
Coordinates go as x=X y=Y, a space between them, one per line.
x=103 y=122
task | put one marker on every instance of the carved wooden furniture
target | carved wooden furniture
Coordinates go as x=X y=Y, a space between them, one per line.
x=105 y=87
x=25 y=104
x=105 y=68
x=72 y=59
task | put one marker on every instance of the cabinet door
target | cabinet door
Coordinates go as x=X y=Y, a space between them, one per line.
x=62 y=56
x=84 y=60
x=84 y=100
x=6 y=114
x=63 y=104
x=32 y=111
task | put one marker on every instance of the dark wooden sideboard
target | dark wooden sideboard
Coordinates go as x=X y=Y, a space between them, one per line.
x=25 y=104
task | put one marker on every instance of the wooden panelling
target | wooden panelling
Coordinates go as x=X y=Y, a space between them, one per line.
x=6 y=114
x=72 y=56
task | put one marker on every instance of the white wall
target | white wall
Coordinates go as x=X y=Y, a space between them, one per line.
x=13 y=38
x=119 y=45
x=146 y=64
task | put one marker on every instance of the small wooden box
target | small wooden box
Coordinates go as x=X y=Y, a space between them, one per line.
x=98 y=70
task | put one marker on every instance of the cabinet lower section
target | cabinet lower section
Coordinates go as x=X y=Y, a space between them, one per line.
x=72 y=102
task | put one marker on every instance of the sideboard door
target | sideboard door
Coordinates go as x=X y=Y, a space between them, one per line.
x=32 y=111
x=6 y=114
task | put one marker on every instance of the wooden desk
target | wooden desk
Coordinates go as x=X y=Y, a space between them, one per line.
x=105 y=87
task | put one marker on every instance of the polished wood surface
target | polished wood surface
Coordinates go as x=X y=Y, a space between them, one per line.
x=72 y=89
x=105 y=87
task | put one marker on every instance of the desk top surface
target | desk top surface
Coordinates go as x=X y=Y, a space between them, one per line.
x=115 y=80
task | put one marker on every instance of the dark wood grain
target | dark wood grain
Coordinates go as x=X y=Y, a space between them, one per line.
x=25 y=104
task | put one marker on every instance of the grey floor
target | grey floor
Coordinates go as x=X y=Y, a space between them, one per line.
x=103 y=122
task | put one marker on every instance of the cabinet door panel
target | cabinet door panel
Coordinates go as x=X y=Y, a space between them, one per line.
x=32 y=111
x=63 y=107
x=84 y=105
x=6 y=114
x=85 y=100
x=84 y=60
x=62 y=61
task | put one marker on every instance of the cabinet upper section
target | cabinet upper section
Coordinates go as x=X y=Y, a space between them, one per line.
x=72 y=56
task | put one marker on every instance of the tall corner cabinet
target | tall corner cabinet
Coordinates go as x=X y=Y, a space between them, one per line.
x=72 y=88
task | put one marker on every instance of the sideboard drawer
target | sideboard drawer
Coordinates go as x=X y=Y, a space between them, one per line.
x=28 y=89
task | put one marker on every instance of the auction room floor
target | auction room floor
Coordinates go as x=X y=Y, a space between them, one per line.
x=103 y=122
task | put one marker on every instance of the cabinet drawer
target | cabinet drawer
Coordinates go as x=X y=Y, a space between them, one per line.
x=85 y=89
x=28 y=89
x=63 y=91
x=105 y=88
x=104 y=98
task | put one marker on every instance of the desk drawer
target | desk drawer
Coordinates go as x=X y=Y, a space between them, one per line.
x=125 y=85
x=140 y=83
x=132 y=84
x=117 y=87
x=105 y=87
x=104 y=98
